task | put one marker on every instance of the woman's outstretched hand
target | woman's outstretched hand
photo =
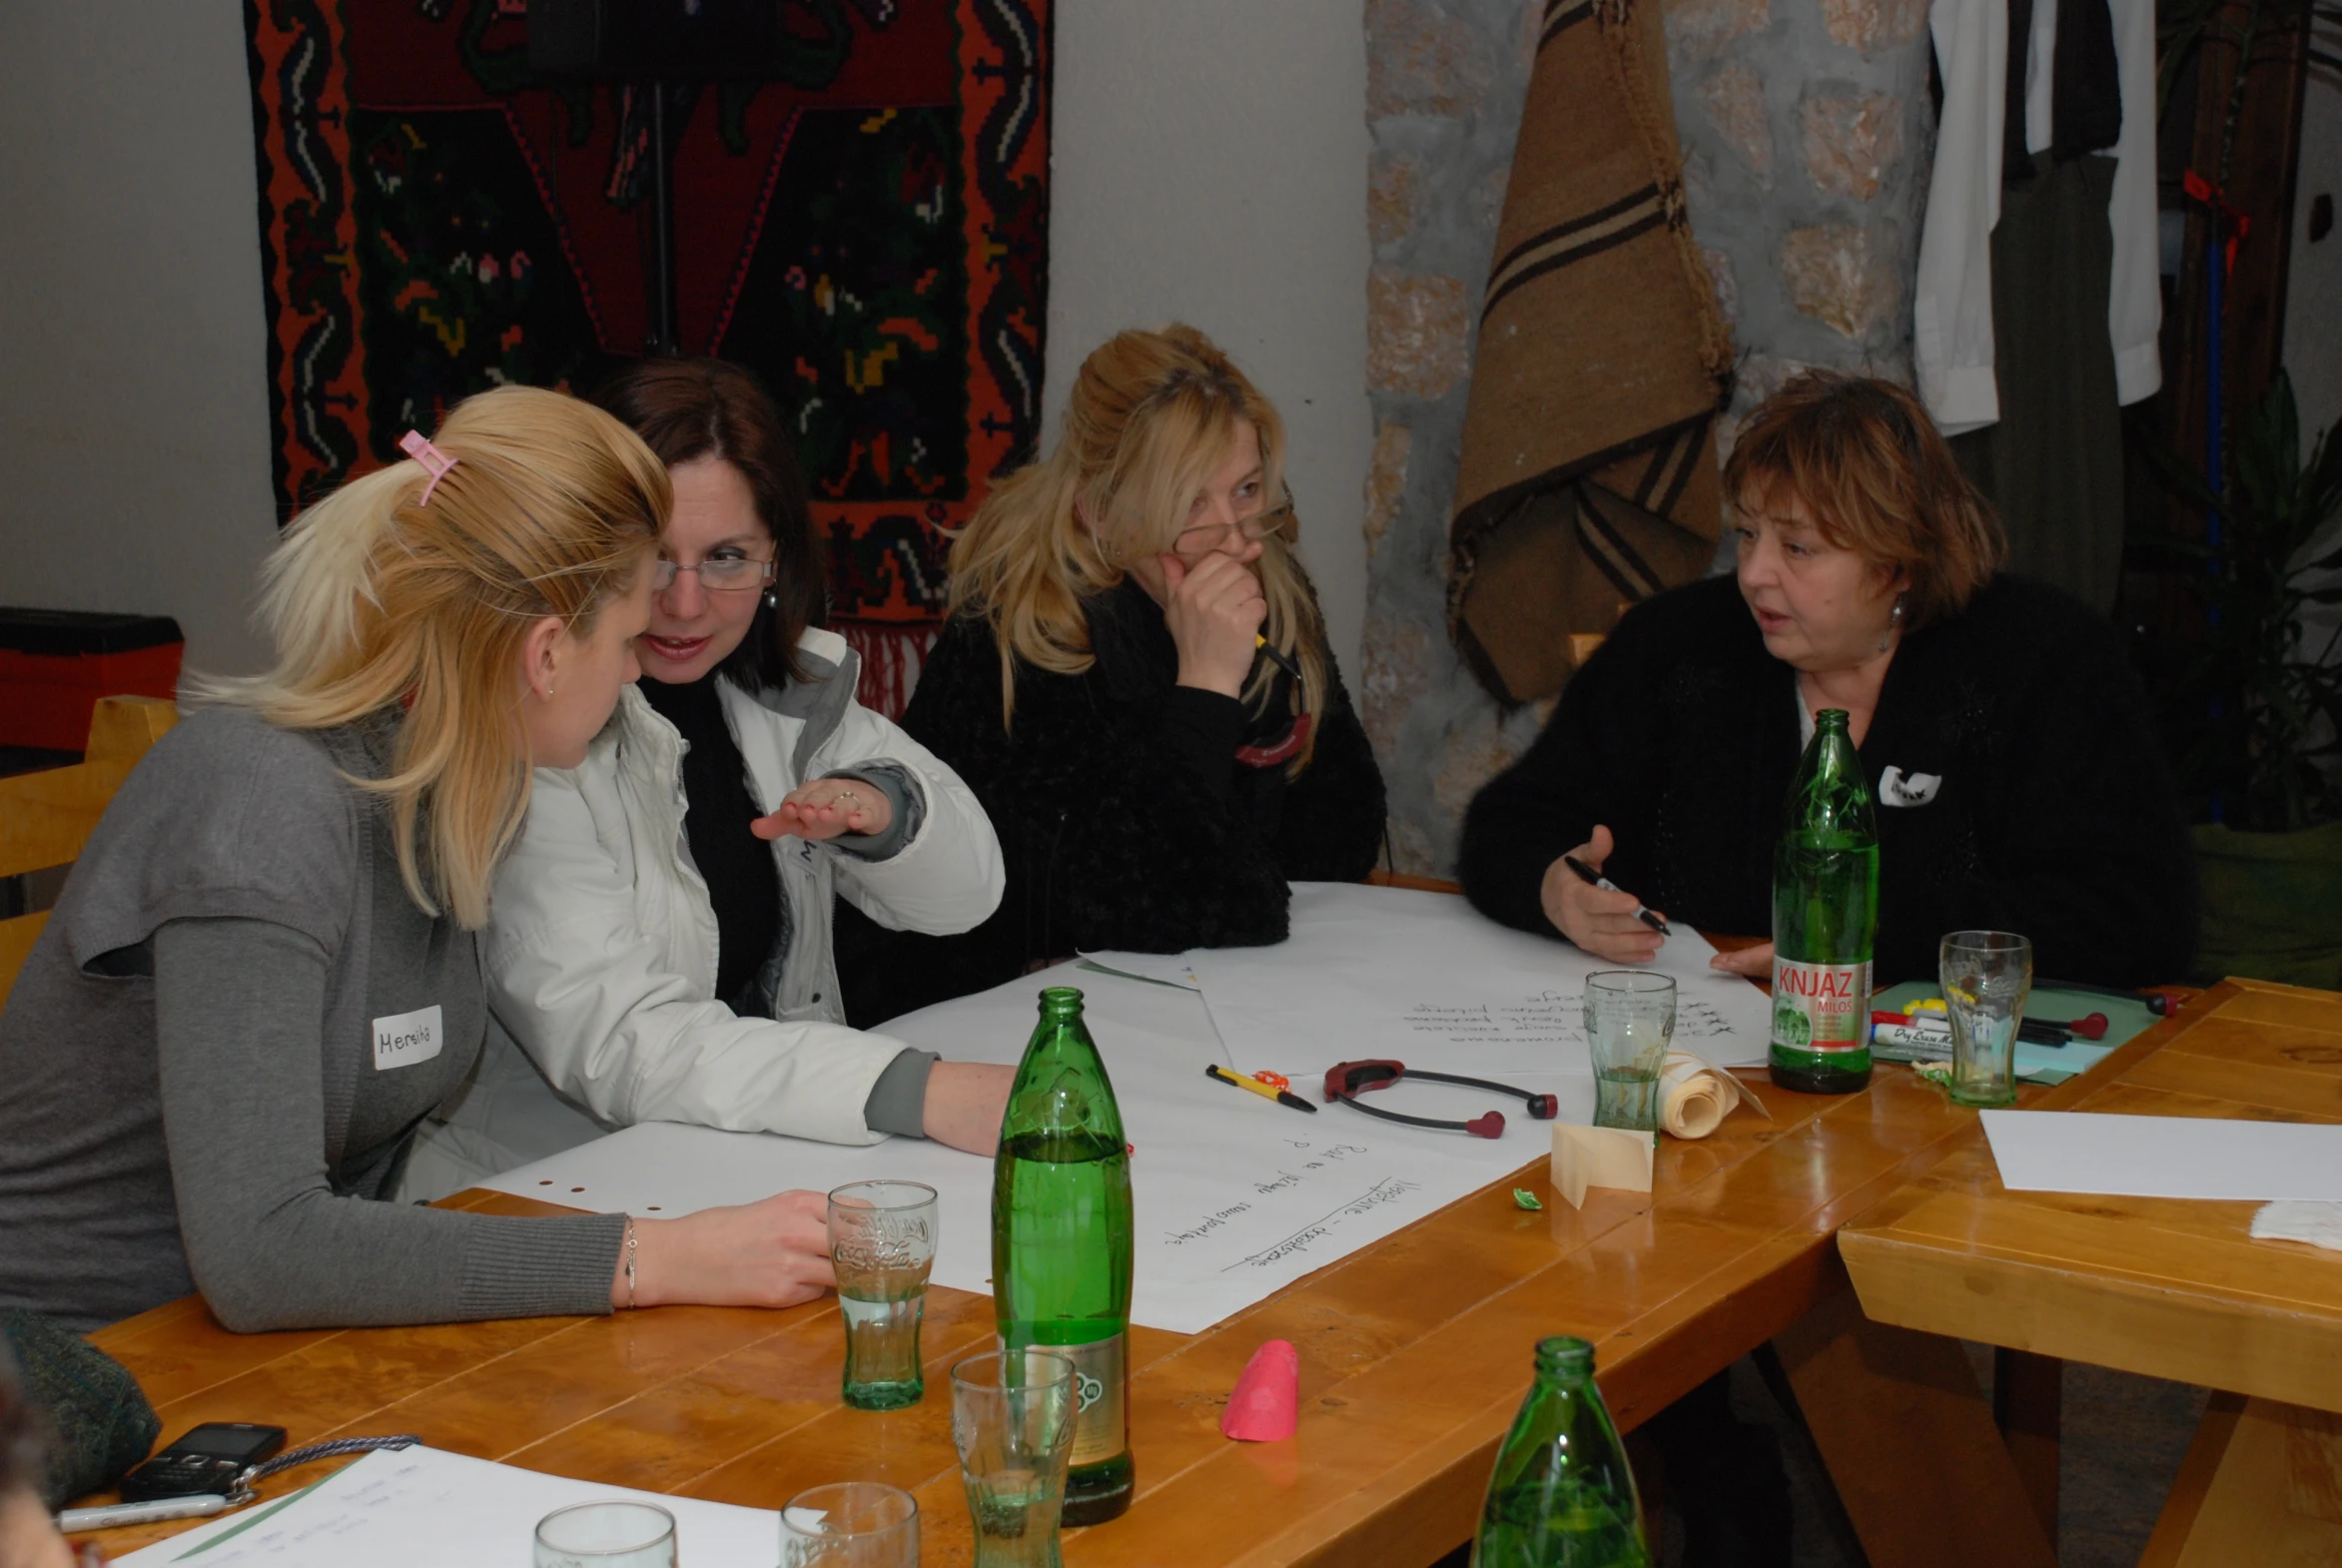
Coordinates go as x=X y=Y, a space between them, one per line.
x=770 y=1253
x=826 y=808
x=1756 y=963
x=1601 y=922
x=1215 y=608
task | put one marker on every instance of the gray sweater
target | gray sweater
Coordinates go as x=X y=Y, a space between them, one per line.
x=214 y=1058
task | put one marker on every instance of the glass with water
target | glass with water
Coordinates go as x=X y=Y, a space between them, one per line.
x=1013 y=1417
x=882 y=1243
x=1986 y=976
x=1630 y=1019
x=607 y=1535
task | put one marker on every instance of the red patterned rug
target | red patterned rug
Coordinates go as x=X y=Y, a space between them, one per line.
x=870 y=235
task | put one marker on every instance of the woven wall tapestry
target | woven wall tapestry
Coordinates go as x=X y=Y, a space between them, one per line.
x=870 y=235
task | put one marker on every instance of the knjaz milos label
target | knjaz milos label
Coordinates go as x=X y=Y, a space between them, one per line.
x=1820 y=1006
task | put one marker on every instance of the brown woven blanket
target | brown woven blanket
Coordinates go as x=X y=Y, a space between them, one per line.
x=1589 y=476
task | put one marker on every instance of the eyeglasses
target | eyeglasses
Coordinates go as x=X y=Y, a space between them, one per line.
x=717 y=574
x=1205 y=538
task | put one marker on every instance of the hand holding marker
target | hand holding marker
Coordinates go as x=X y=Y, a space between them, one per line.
x=1648 y=917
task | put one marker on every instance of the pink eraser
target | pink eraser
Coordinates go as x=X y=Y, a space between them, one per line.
x=1264 y=1406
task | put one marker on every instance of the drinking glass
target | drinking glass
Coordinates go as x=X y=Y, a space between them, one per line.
x=850 y=1524
x=882 y=1243
x=1986 y=977
x=607 y=1535
x=1630 y=1018
x=1012 y=1419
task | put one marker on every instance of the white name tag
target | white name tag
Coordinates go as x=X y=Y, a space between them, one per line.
x=408 y=1038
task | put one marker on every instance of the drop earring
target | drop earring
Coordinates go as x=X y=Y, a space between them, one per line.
x=772 y=599
x=1893 y=623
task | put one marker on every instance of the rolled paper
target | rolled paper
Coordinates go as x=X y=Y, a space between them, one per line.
x=1265 y=1407
x=1695 y=1096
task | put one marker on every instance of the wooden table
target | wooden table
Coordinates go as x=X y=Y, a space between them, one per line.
x=1414 y=1354
x=2169 y=1289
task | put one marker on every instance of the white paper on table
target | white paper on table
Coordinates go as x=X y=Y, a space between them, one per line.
x=395 y=1508
x=1235 y=1196
x=2319 y=1225
x=2165 y=1157
x=1171 y=968
x=1427 y=979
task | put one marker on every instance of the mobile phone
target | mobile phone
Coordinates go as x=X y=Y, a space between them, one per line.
x=206 y=1459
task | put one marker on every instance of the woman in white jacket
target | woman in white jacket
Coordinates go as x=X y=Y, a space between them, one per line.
x=651 y=955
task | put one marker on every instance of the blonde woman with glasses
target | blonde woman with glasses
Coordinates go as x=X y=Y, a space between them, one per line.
x=1136 y=681
x=264 y=969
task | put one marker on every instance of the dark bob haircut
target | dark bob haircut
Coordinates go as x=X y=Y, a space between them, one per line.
x=686 y=409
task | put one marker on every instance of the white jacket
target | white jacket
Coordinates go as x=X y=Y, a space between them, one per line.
x=1952 y=301
x=602 y=947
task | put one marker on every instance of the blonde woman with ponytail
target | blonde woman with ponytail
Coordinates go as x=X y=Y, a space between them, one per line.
x=1136 y=681
x=264 y=969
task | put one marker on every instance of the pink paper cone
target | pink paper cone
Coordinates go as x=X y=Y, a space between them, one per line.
x=1264 y=1406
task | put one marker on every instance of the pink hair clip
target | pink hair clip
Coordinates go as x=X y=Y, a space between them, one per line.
x=434 y=462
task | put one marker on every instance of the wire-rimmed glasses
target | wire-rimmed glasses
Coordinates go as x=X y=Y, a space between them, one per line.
x=717 y=574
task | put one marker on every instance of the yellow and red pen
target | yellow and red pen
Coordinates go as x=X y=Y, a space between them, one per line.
x=1283 y=1096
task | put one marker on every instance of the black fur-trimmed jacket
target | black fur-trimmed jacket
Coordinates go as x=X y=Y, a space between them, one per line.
x=1125 y=815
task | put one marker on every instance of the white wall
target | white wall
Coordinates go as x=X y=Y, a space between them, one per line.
x=134 y=464
x=1210 y=167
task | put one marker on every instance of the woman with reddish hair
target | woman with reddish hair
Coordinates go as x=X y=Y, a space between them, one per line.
x=2019 y=782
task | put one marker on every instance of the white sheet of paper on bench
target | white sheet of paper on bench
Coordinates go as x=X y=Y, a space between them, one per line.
x=1236 y=1195
x=1424 y=978
x=397 y=1508
x=2166 y=1156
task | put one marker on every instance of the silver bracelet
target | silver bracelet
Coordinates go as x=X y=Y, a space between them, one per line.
x=630 y=1242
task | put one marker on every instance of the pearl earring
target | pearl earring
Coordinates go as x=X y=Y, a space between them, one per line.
x=772 y=599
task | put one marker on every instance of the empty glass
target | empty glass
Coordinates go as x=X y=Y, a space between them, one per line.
x=1986 y=977
x=882 y=1243
x=850 y=1524
x=1013 y=1420
x=607 y=1535
x=1630 y=1018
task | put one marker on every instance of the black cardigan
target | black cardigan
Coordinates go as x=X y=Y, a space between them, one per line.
x=2056 y=816
x=1124 y=819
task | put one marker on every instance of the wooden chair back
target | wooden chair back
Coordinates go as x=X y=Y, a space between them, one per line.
x=46 y=817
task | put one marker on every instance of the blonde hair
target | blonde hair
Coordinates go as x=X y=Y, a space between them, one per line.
x=1152 y=414
x=375 y=598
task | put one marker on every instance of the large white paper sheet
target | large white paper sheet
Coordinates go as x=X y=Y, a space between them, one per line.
x=1236 y=1197
x=2165 y=1157
x=395 y=1509
x=1424 y=978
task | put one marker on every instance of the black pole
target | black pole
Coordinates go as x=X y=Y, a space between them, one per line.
x=662 y=221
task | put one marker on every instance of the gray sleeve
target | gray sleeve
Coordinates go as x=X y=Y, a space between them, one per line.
x=903 y=794
x=237 y=1004
x=898 y=1101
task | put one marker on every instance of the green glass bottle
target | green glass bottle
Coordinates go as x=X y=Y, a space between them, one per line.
x=1825 y=919
x=1561 y=1496
x=1060 y=1241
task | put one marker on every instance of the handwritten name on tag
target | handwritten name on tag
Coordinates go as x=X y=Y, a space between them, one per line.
x=1917 y=789
x=407 y=1038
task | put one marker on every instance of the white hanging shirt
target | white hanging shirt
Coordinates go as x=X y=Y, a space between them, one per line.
x=1952 y=303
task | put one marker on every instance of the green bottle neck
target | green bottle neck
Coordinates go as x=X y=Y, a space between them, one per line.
x=1564 y=1360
